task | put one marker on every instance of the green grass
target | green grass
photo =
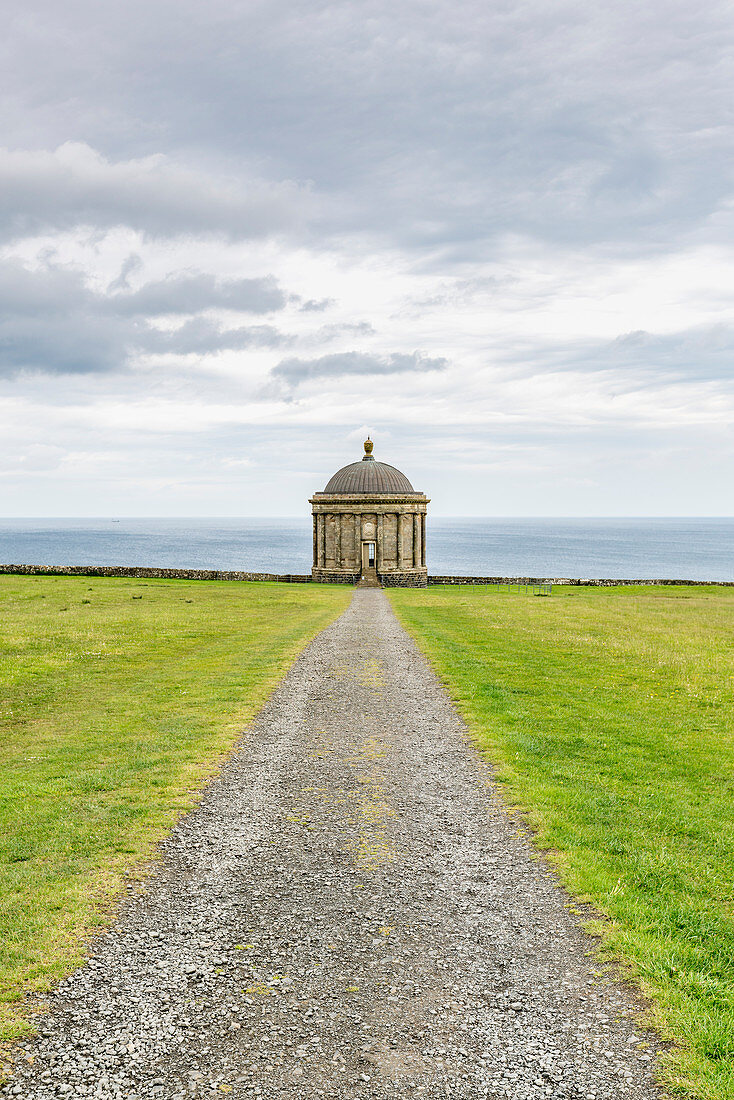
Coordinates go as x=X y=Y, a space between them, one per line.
x=608 y=714
x=118 y=698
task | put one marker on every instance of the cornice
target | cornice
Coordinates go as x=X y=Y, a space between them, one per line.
x=369 y=498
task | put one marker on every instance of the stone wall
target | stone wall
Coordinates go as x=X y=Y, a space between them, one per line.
x=415 y=578
x=327 y=576
x=153 y=572
x=584 y=582
x=409 y=578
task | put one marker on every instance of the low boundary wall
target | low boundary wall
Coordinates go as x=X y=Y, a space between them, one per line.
x=154 y=572
x=141 y=571
x=583 y=582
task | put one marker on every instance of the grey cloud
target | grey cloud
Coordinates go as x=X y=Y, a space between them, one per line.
x=75 y=186
x=701 y=354
x=76 y=343
x=201 y=337
x=35 y=293
x=132 y=264
x=52 y=322
x=354 y=363
x=316 y=305
x=192 y=292
x=442 y=130
x=338 y=331
x=638 y=360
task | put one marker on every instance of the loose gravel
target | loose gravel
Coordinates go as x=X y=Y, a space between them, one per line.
x=350 y=912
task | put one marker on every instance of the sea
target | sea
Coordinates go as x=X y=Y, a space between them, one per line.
x=680 y=549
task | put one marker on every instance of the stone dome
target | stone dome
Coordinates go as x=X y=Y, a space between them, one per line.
x=369 y=476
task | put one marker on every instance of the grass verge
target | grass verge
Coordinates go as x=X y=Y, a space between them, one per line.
x=118 y=699
x=608 y=715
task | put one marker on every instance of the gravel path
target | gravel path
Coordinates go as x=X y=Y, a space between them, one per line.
x=348 y=913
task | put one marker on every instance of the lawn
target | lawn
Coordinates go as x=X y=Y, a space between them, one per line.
x=118 y=699
x=608 y=713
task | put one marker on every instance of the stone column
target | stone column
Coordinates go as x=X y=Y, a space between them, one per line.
x=358 y=542
x=315 y=554
x=321 y=540
x=378 y=541
x=423 y=540
x=329 y=555
x=347 y=540
x=417 y=541
x=338 y=539
x=396 y=555
x=405 y=532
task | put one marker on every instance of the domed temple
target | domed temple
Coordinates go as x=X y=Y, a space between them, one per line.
x=369 y=526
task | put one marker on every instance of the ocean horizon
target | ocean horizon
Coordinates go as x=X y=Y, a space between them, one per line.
x=674 y=548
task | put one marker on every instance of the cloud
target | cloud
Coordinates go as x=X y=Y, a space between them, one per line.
x=131 y=266
x=701 y=354
x=53 y=322
x=349 y=330
x=313 y=305
x=50 y=321
x=200 y=336
x=295 y=371
x=72 y=186
x=34 y=458
x=431 y=127
x=193 y=292
x=640 y=359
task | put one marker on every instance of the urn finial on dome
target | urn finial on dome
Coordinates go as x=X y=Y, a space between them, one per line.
x=368 y=476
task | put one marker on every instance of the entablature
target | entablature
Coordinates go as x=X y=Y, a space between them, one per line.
x=382 y=502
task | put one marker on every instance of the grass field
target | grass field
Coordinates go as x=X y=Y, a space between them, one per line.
x=609 y=715
x=117 y=700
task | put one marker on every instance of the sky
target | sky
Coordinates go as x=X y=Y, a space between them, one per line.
x=236 y=237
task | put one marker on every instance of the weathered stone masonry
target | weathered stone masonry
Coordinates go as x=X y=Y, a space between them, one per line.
x=369 y=521
x=395 y=524
x=154 y=572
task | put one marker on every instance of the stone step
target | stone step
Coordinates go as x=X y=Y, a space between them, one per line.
x=369 y=579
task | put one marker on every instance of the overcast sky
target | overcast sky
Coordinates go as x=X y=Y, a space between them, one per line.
x=236 y=236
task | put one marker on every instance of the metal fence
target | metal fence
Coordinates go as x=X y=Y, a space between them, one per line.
x=519 y=587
